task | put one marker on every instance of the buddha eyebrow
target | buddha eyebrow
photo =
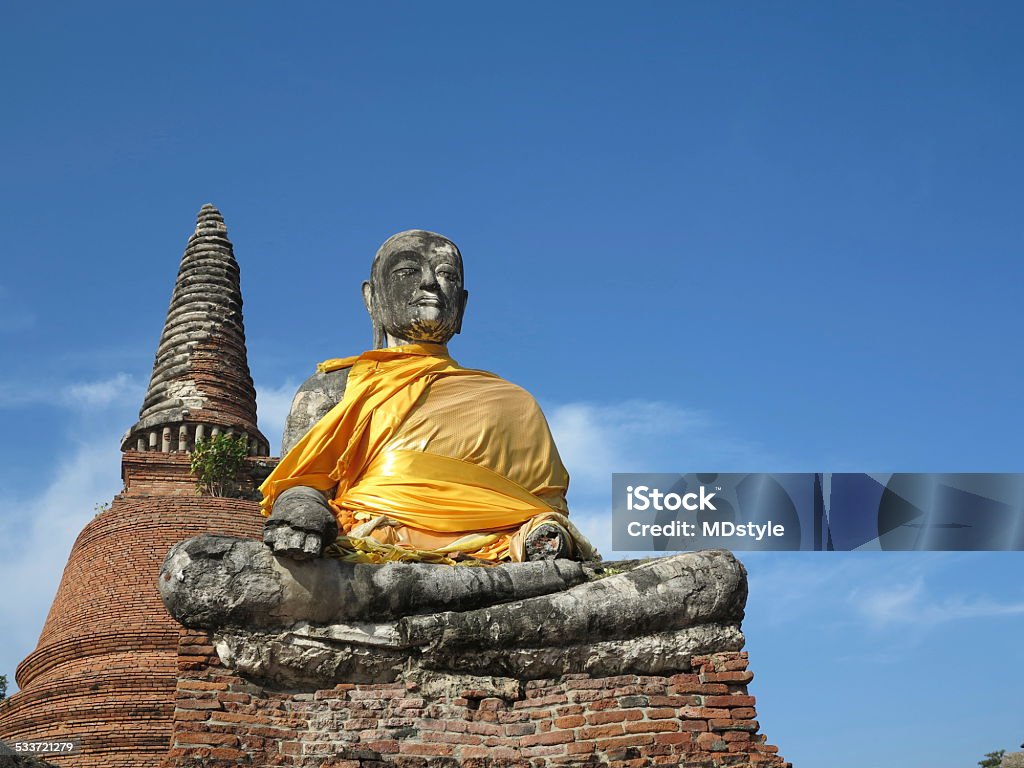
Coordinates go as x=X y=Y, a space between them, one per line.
x=408 y=255
x=406 y=262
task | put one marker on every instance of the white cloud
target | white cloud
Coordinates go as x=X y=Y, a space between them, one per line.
x=902 y=597
x=36 y=534
x=83 y=396
x=597 y=440
x=911 y=604
x=882 y=606
x=38 y=529
x=100 y=394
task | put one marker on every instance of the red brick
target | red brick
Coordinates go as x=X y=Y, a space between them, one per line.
x=693 y=725
x=734 y=725
x=652 y=726
x=613 y=716
x=187 y=738
x=729 y=701
x=485 y=729
x=411 y=748
x=570 y=721
x=736 y=736
x=520 y=729
x=184 y=714
x=706 y=689
x=703 y=713
x=727 y=677
x=544 y=751
x=638 y=740
x=193 y=704
x=673 y=738
x=546 y=739
x=659 y=713
x=600 y=731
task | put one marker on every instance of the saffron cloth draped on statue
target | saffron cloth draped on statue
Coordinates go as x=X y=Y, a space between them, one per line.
x=427 y=456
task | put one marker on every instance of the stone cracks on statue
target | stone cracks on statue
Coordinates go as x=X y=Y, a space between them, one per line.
x=319 y=622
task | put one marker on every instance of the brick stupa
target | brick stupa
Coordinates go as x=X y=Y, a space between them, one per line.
x=104 y=671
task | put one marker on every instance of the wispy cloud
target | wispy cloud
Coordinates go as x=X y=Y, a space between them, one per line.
x=596 y=440
x=100 y=394
x=901 y=597
x=37 y=531
x=913 y=604
x=114 y=390
x=38 y=528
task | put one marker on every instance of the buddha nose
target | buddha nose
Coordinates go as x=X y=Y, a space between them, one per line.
x=428 y=279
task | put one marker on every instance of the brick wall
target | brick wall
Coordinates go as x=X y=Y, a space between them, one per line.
x=703 y=718
x=154 y=473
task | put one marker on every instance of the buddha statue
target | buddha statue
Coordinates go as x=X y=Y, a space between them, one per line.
x=420 y=464
x=410 y=456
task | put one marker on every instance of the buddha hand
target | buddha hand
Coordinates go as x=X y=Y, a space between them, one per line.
x=300 y=525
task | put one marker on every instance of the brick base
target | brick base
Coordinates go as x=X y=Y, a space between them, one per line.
x=704 y=718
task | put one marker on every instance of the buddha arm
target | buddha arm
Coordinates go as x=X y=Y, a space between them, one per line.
x=301 y=522
x=317 y=395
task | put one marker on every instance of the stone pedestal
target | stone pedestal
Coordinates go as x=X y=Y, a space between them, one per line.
x=701 y=717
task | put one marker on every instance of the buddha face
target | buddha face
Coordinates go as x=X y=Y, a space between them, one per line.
x=415 y=291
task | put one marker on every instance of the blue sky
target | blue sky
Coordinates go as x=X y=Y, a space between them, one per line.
x=746 y=237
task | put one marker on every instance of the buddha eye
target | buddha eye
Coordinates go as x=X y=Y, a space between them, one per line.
x=405 y=272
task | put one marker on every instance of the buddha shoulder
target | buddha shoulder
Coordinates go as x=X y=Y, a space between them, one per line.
x=317 y=395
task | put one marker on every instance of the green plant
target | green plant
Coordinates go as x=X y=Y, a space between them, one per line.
x=992 y=759
x=3 y=687
x=215 y=464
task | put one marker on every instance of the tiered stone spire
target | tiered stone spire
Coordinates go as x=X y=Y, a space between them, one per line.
x=201 y=385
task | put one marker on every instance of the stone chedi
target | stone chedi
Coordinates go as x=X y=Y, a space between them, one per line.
x=105 y=668
x=200 y=385
x=354 y=659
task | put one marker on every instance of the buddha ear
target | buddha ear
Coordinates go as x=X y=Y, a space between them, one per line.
x=368 y=296
x=462 y=310
x=379 y=336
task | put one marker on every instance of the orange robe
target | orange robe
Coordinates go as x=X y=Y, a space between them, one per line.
x=429 y=457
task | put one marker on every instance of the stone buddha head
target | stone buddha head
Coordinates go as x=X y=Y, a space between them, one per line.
x=415 y=292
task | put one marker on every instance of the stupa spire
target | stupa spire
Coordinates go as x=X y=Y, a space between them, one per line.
x=200 y=385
